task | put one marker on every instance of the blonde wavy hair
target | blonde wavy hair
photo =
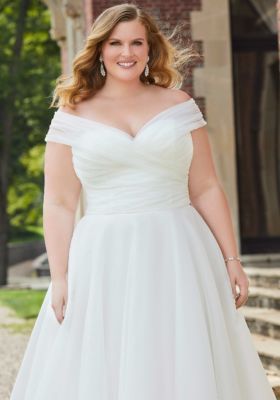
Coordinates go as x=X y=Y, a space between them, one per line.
x=167 y=60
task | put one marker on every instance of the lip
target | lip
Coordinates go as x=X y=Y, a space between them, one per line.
x=126 y=62
x=126 y=65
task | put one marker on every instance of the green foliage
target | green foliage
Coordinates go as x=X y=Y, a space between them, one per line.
x=39 y=68
x=26 y=303
x=33 y=161
x=25 y=197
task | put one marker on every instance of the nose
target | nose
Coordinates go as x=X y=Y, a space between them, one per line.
x=126 y=50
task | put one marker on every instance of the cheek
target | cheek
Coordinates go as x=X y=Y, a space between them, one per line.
x=110 y=52
x=141 y=51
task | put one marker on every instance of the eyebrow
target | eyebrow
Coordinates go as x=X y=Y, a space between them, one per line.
x=132 y=39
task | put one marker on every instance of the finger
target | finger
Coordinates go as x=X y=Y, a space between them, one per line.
x=240 y=304
x=58 y=310
x=64 y=310
x=60 y=316
x=233 y=289
x=243 y=296
x=244 y=291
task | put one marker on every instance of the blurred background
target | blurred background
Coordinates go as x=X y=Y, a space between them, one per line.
x=236 y=85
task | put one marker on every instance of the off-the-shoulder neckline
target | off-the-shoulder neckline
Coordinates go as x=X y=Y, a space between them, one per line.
x=108 y=126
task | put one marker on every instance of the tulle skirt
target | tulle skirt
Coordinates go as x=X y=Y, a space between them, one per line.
x=150 y=316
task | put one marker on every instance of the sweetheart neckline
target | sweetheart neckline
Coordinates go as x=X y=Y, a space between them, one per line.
x=123 y=132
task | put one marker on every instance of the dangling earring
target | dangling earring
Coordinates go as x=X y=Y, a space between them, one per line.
x=147 y=70
x=102 y=70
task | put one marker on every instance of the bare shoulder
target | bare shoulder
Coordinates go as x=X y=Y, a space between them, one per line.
x=82 y=107
x=65 y=108
x=174 y=95
x=179 y=95
x=68 y=109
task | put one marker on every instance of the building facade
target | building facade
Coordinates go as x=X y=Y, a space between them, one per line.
x=236 y=86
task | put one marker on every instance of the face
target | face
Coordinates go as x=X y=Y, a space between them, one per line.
x=125 y=52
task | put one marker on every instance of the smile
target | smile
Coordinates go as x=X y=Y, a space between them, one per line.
x=126 y=64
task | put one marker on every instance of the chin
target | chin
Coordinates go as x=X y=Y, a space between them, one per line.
x=126 y=77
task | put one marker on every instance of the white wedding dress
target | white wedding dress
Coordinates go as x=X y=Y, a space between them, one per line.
x=150 y=312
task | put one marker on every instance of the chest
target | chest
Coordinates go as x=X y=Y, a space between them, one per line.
x=129 y=118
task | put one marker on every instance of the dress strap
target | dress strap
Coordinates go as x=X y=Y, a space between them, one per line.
x=193 y=116
x=61 y=130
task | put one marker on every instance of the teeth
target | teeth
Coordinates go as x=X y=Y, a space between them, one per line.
x=126 y=64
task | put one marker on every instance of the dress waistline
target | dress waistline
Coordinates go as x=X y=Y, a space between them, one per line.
x=108 y=211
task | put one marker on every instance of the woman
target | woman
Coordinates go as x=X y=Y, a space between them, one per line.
x=143 y=300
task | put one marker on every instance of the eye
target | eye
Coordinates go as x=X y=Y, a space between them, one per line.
x=137 y=42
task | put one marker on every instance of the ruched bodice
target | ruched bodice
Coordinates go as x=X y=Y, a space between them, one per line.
x=150 y=312
x=122 y=173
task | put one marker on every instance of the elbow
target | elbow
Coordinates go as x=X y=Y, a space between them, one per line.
x=60 y=205
x=212 y=187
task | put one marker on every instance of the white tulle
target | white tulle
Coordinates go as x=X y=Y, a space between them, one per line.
x=150 y=313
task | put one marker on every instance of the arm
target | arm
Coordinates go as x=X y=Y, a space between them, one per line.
x=209 y=199
x=61 y=194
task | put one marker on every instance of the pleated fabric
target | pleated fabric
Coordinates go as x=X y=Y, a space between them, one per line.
x=150 y=311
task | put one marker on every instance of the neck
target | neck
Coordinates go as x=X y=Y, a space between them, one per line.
x=117 y=89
